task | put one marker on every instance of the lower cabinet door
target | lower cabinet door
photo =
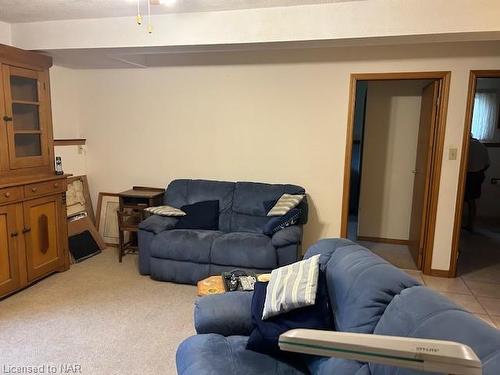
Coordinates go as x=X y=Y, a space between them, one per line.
x=42 y=218
x=10 y=248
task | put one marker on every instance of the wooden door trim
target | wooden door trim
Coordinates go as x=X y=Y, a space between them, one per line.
x=444 y=87
x=423 y=232
x=464 y=158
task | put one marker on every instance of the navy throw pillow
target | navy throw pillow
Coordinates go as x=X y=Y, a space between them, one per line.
x=201 y=215
x=265 y=333
x=278 y=223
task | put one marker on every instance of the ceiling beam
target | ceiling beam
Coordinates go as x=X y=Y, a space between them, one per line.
x=343 y=21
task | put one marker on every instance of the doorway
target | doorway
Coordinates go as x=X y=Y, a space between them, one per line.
x=393 y=162
x=476 y=242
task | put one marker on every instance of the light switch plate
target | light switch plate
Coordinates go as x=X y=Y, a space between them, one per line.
x=453 y=154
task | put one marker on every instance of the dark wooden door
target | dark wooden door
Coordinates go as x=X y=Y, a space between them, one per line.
x=422 y=171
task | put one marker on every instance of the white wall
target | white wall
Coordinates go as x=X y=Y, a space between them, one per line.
x=74 y=159
x=66 y=117
x=389 y=154
x=275 y=116
x=66 y=102
x=5 y=33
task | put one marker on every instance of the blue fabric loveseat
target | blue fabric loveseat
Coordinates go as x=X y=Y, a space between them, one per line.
x=187 y=255
x=367 y=294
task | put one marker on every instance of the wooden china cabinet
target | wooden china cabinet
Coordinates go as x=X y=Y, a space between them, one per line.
x=33 y=230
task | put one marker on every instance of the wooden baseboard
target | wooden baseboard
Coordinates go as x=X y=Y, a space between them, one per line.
x=441 y=273
x=392 y=241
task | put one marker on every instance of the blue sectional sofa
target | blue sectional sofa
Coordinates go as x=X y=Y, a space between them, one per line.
x=187 y=256
x=367 y=294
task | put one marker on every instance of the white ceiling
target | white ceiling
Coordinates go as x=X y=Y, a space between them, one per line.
x=17 y=11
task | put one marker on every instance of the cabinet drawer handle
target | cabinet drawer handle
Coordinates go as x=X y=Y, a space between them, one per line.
x=7 y=118
x=26 y=230
x=56 y=185
x=7 y=195
x=34 y=189
x=14 y=234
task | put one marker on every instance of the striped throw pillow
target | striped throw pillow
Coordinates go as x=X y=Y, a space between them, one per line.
x=285 y=204
x=165 y=211
x=291 y=287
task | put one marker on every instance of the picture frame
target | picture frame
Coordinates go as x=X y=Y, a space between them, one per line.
x=78 y=198
x=107 y=219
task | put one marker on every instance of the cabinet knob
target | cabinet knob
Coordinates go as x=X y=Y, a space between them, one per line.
x=26 y=230
x=14 y=234
x=34 y=189
x=7 y=195
x=56 y=185
x=7 y=118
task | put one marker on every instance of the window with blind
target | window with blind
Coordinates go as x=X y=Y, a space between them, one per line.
x=485 y=116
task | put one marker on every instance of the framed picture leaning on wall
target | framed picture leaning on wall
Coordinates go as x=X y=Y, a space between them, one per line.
x=107 y=219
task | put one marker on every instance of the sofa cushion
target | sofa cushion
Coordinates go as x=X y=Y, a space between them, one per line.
x=157 y=224
x=226 y=314
x=331 y=365
x=184 y=244
x=183 y=191
x=215 y=354
x=178 y=271
x=244 y=249
x=249 y=214
x=421 y=312
x=248 y=223
x=360 y=284
x=287 y=236
x=200 y=215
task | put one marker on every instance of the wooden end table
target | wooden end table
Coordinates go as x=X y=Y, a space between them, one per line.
x=130 y=214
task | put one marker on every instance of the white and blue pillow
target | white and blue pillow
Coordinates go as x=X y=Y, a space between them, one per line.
x=284 y=204
x=165 y=211
x=291 y=287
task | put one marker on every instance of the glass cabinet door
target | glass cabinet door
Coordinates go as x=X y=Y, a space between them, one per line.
x=25 y=118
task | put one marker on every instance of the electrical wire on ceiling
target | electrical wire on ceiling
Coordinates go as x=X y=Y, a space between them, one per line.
x=138 y=18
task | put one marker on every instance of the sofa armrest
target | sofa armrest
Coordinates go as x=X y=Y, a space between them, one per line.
x=157 y=223
x=288 y=236
x=225 y=314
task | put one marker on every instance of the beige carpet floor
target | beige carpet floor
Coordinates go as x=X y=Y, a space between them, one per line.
x=101 y=315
